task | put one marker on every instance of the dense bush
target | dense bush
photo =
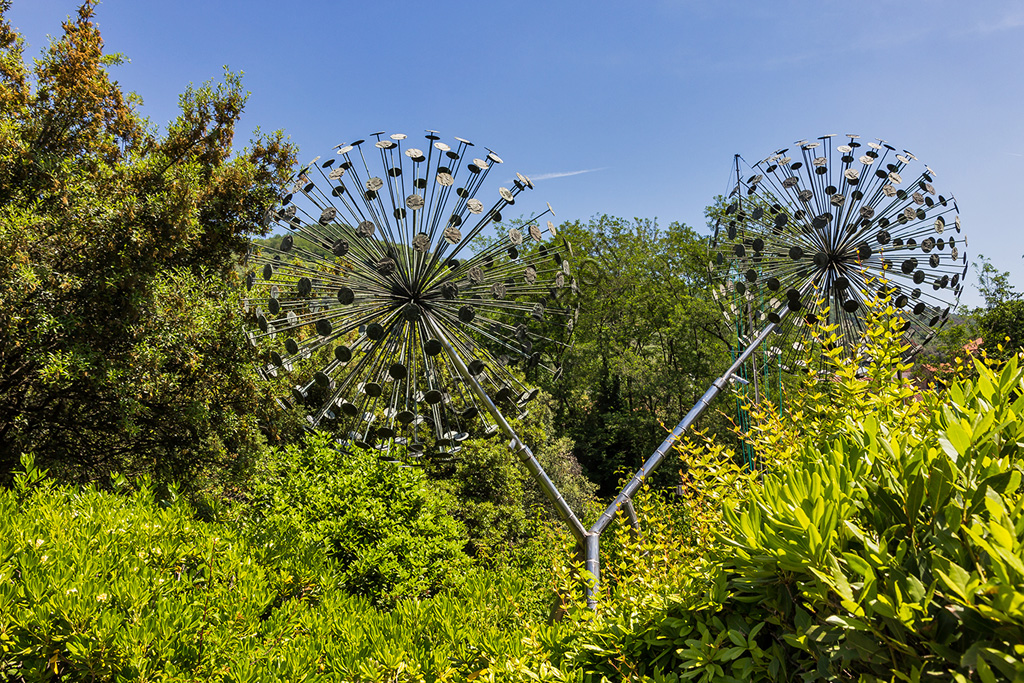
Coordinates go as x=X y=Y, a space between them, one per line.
x=385 y=528
x=886 y=542
x=124 y=586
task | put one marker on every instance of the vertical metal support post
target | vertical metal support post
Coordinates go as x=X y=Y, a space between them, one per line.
x=592 y=563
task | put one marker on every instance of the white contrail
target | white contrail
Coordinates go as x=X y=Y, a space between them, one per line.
x=564 y=174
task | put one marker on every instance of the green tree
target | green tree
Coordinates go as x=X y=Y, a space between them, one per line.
x=647 y=344
x=994 y=285
x=1002 y=328
x=1000 y=324
x=119 y=342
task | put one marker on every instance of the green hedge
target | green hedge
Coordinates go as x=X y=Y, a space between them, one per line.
x=114 y=586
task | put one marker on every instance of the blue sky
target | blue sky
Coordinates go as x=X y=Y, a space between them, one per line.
x=626 y=108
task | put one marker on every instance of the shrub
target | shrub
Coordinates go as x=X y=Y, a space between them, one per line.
x=100 y=585
x=886 y=541
x=385 y=526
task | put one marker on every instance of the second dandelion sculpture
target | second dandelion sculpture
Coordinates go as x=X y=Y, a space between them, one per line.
x=817 y=228
x=810 y=236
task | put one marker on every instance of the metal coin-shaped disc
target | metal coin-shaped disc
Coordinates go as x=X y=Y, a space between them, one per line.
x=377 y=248
x=813 y=232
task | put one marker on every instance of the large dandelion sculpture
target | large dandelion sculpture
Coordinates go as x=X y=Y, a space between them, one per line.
x=816 y=229
x=397 y=306
x=812 y=234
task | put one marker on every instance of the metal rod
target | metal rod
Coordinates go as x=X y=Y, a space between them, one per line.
x=623 y=500
x=592 y=564
x=517 y=445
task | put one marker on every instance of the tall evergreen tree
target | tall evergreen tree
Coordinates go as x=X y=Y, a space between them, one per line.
x=119 y=335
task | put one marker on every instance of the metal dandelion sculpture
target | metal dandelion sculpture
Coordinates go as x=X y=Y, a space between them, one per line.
x=396 y=303
x=817 y=228
x=809 y=237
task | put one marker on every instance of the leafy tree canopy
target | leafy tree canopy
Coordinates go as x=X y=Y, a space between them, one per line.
x=994 y=285
x=647 y=344
x=118 y=335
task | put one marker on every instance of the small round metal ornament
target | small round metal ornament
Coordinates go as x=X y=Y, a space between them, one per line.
x=813 y=232
x=392 y=274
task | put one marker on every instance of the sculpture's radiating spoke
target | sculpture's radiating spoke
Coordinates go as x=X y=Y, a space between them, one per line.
x=380 y=239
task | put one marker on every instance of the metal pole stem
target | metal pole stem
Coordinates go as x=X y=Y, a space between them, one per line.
x=652 y=463
x=516 y=444
x=592 y=564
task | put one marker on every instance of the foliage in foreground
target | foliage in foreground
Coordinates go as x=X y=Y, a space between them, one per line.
x=386 y=531
x=886 y=542
x=115 y=586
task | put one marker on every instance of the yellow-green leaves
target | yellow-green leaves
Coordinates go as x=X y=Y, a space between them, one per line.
x=885 y=540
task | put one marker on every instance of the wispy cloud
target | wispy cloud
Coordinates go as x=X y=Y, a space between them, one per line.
x=564 y=174
x=1011 y=19
x=1014 y=154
